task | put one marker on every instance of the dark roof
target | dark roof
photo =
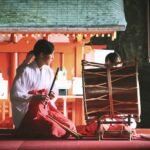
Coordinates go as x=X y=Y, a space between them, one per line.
x=63 y=15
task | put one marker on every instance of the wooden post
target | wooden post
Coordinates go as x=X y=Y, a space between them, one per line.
x=3 y=110
x=13 y=66
x=110 y=92
x=148 y=28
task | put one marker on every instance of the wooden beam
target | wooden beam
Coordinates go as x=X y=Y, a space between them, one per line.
x=148 y=28
x=63 y=29
x=24 y=45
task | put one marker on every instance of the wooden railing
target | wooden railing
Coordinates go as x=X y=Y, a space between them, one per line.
x=70 y=106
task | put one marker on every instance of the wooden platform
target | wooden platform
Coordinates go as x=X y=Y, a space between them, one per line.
x=8 y=142
x=143 y=131
x=8 y=134
x=74 y=145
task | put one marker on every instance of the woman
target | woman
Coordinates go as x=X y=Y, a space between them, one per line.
x=29 y=93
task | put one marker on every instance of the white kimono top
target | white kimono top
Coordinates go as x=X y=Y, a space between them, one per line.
x=31 y=78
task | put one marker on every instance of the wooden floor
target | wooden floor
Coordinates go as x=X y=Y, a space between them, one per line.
x=73 y=145
x=138 y=143
x=143 y=131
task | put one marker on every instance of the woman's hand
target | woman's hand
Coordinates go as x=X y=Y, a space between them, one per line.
x=52 y=95
x=40 y=97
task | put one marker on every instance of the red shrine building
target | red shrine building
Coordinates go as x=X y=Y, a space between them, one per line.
x=70 y=25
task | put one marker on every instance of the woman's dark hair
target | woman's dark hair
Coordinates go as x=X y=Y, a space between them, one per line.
x=43 y=46
x=113 y=58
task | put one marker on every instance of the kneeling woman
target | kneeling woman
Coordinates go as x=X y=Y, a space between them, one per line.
x=30 y=100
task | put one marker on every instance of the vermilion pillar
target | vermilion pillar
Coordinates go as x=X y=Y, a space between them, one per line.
x=13 y=66
x=13 y=61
